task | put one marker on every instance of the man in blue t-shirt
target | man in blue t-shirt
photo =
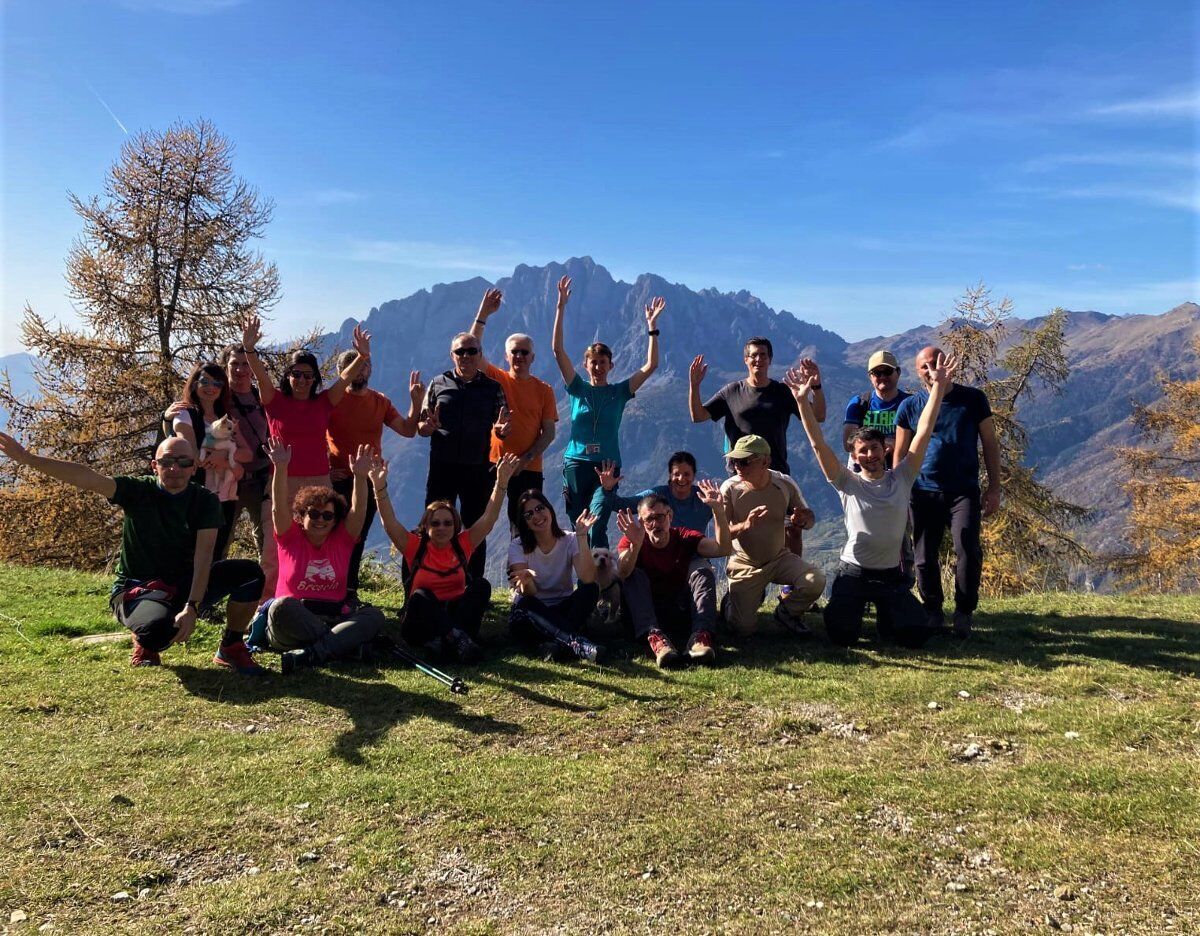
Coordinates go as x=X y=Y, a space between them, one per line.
x=946 y=492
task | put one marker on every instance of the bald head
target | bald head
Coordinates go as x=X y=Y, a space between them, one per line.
x=925 y=361
x=175 y=445
x=172 y=474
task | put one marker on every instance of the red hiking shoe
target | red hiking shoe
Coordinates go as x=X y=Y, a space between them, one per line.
x=236 y=657
x=701 y=649
x=665 y=654
x=143 y=656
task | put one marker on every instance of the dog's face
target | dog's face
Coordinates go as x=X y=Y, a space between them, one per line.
x=222 y=429
x=606 y=566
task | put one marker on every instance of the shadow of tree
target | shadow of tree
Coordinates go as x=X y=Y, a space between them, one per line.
x=374 y=706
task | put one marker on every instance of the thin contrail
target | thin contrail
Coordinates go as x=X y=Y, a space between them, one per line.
x=106 y=107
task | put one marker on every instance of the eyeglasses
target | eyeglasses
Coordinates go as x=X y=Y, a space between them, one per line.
x=302 y=375
x=519 y=352
x=465 y=352
x=175 y=461
x=532 y=512
x=741 y=462
x=315 y=515
x=883 y=372
x=210 y=382
x=440 y=523
x=656 y=517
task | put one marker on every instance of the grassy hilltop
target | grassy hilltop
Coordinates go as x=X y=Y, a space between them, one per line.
x=1043 y=776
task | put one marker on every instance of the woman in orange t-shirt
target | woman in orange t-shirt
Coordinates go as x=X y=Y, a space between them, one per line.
x=444 y=605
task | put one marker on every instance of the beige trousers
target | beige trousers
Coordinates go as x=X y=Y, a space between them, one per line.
x=748 y=586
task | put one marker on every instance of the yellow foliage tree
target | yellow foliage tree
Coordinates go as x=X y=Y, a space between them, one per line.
x=1164 y=491
x=162 y=276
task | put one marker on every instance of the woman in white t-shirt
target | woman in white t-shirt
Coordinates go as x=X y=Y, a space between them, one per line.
x=547 y=608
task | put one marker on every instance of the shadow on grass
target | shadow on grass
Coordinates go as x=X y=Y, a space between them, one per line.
x=373 y=706
x=526 y=679
x=1044 y=641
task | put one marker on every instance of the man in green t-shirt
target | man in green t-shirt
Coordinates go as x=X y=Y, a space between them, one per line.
x=165 y=570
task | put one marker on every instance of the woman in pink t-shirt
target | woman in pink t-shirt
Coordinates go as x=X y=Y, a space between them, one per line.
x=298 y=409
x=310 y=620
x=445 y=605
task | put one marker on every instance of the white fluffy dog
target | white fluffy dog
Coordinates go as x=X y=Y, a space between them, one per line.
x=607 y=616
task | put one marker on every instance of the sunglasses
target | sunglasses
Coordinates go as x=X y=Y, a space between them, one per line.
x=740 y=462
x=175 y=461
x=302 y=375
x=325 y=515
x=440 y=523
x=210 y=382
x=533 y=511
x=883 y=372
x=520 y=352
x=465 y=352
x=656 y=517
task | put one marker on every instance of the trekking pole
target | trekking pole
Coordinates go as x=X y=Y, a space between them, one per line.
x=455 y=683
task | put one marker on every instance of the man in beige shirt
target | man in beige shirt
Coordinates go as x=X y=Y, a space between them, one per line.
x=759 y=502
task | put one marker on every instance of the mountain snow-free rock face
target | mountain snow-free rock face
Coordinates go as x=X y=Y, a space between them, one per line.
x=1113 y=361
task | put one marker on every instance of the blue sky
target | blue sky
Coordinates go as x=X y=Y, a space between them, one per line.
x=858 y=164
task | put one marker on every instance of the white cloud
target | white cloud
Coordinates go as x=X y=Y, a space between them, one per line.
x=1127 y=159
x=435 y=256
x=1179 y=102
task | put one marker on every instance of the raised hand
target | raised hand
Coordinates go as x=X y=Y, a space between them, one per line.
x=709 y=493
x=796 y=381
x=564 y=291
x=279 y=453
x=251 y=333
x=607 y=473
x=943 y=370
x=584 y=522
x=360 y=461
x=12 y=449
x=631 y=527
x=506 y=468
x=654 y=310
x=810 y=371
x=361 y=341
x=757 y=515
x=697 y=370
x=416 y=389
x=433 y=418
x=500 y=426
x=489 y=303
x=378 y=472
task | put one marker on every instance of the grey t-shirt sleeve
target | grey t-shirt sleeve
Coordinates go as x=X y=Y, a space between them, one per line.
x=718 y=404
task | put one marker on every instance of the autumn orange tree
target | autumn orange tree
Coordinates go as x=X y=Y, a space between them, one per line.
x=161 y=275
x=1164 y=490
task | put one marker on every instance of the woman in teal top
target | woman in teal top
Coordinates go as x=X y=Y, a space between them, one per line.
x=596 y=405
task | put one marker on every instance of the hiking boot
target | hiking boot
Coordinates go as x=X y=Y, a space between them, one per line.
x=793 y=623
x=236 y=657
x=292 y=660
x=665 y=654
x=936 y=622
x=462 y=647
x=584 y=649
x=701 y=649
x=144 y=656
x=962 y=625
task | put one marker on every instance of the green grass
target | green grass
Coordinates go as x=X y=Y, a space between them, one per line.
x=796 y=788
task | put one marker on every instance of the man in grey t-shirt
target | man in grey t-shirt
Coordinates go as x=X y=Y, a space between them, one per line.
x=875 y=502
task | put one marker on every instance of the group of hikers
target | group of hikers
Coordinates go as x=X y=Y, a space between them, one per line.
x=305 y=463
